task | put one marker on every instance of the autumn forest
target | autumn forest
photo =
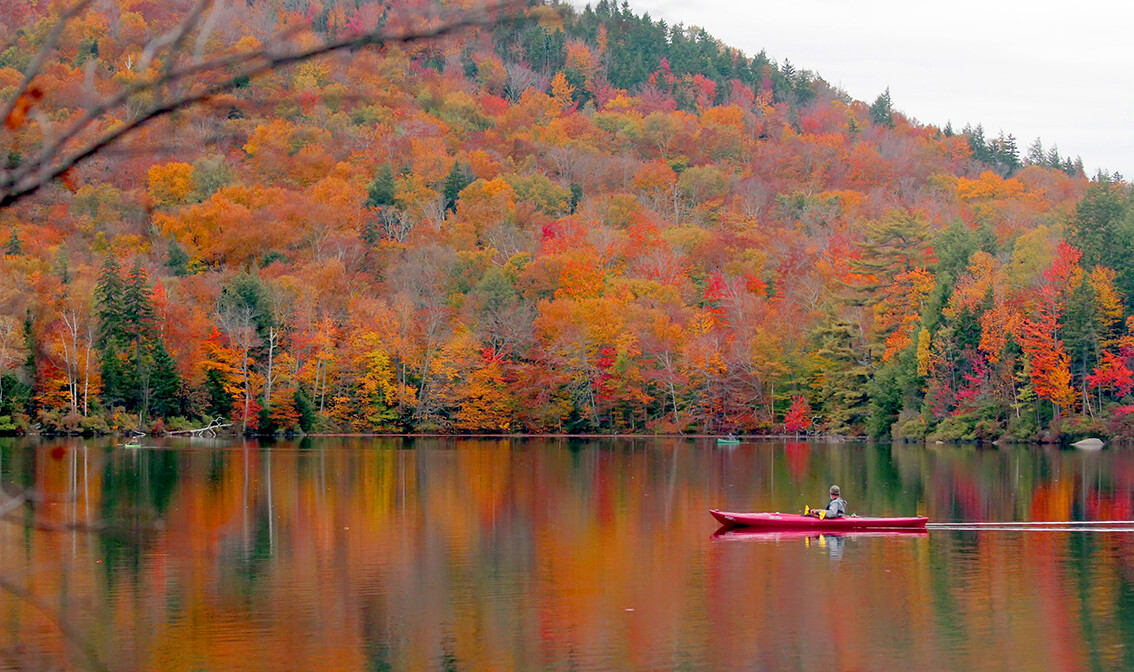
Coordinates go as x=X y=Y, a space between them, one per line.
x=562 y=220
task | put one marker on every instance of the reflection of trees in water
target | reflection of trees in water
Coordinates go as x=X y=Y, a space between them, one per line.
x=466 y=551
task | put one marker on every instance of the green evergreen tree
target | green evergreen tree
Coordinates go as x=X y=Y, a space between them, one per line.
x=111 y=338
x=1096 y=228
x=126 y=336
x=457 y=179
x=177 y=260
x=371 y=234
x=17 y=395
x=881 y=110
x=219 y=402
x=116 y=379
x=1103 y=229
x=306 y=409
x=108 y=298
x=898 y=242
x=1053 y=159
x=1004 y=154
x=576 y=196
x=137 y=307
x=165 y=383
x=894 y=388
x=13 y=248
x=382 y=189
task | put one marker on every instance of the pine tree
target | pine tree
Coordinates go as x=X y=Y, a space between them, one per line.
x=1005 y=154
x=898 y=242
x=115 y=379
x=382 y=189
x=137 y=307
x=881 y=111
x=459 y=178
x=576 y=196
x=125 y=335
x=108 y=297
x=177 y=260
x=165 y=383
x=13 y=248
x=306 y=410
x=1053 y=159
x=371 y=234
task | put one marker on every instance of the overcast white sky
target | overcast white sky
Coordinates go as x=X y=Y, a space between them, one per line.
x=1060 y=71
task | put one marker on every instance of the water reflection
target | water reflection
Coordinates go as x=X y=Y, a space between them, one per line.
x=384 y=554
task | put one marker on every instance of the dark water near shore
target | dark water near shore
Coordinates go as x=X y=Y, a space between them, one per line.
x=429 y=554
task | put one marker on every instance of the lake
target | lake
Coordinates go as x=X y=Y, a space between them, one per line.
x=553 y=554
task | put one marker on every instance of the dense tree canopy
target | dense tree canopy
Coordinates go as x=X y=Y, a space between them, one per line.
x=569 y=221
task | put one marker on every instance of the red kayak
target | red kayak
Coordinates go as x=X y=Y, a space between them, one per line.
x=795 y=521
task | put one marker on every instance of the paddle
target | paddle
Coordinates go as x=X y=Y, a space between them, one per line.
x=821 y=513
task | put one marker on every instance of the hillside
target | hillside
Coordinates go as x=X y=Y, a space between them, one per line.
x=574 y=221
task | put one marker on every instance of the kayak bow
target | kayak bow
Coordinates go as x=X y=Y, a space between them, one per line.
x=795 y=521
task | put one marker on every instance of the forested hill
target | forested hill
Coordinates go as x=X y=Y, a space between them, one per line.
x=573 y=221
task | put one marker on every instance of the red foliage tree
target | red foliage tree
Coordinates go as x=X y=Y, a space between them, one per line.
x=798 y=417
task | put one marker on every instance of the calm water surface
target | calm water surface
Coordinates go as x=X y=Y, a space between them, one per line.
x=384 y=554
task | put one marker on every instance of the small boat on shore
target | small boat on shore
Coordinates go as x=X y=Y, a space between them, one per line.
x=795 y=521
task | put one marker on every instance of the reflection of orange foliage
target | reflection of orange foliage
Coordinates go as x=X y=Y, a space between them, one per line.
x=1053 y=501
x=287 y=558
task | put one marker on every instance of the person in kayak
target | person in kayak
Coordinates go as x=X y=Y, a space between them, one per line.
x=836 y=508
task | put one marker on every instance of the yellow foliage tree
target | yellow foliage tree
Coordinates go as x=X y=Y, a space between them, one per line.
x=170 y=183
x=561 y=90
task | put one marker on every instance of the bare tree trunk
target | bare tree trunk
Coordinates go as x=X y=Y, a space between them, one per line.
x=87 y=372
x=321 y=372
x=272 y=336
x=247 y=392
x=70 y=344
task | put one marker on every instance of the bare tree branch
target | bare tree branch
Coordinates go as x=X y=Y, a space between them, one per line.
x=53 y=160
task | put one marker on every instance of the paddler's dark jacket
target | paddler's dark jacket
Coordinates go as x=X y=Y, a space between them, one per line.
x=837 y=508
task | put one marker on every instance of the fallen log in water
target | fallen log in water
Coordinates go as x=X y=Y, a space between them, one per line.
x=210 y=429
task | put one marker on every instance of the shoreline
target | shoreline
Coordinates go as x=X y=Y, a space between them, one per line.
x=1062 y=441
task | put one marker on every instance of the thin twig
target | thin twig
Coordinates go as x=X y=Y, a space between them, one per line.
x=174 y=37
